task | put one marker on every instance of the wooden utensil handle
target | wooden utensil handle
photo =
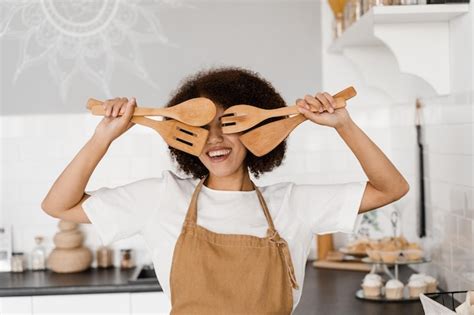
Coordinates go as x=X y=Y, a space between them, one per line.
x=340 y=98
x=95 y=106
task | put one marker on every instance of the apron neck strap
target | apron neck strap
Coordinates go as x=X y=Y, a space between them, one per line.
x=191 y=215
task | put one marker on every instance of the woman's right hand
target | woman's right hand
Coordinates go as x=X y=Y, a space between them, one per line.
x=112 y=125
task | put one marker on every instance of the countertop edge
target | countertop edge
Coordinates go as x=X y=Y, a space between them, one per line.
x=81 y=290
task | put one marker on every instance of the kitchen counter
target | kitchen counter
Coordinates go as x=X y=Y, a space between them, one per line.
x=110 y=280
x=330 y=292
x=325 y=291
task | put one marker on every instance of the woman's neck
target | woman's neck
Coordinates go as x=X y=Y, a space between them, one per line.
x=239 y=181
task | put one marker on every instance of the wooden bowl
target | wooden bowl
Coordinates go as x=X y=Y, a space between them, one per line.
x=69 y=260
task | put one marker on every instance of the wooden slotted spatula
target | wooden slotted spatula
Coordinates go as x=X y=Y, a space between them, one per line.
x=239 y=118
x=194 y=112
x=186 y=138
x=263 y=139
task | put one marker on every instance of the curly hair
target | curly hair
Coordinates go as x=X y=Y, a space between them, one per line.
x=227 y=86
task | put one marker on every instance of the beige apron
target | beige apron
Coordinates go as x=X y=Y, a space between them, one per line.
x=216 y=273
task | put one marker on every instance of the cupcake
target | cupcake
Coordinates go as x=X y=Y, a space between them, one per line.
x=394 y=289
x=416 y=287
x=373 y=276
x=417 y=276
x=431 y=284
x=371 y=287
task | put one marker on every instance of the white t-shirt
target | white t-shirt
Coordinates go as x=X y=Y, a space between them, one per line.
x=155 y=208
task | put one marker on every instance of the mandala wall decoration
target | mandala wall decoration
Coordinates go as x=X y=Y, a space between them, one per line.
x=87 y=36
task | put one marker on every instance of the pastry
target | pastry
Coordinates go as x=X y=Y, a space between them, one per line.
x=431 y=284
x=371 y=287
x=416 y=287
x=374 y=254
x=416 y=276
x=412 y=246
x=413 y=254
x=373 y=276
x=394 y=289
x=389 y=257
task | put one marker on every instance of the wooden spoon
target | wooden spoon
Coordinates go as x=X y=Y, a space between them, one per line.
x=194 y=112
x=263 y=139
x=242 y=117
x=180 y=136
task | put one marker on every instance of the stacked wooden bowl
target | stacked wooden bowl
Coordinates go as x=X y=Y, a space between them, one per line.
x=69 y=255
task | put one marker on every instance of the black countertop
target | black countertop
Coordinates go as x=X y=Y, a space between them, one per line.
x=325 y=291
x=110 y=280
x=329 y=291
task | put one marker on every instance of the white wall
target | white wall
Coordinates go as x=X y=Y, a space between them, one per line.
x=42 y=130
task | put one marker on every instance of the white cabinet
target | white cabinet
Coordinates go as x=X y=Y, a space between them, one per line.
x=110 y=303
x=15 y=305
x=140 y=303
x=156 y=303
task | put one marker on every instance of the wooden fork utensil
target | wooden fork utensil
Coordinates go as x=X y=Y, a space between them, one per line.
x=189 y=139
x=194 y=112
x=239 y=118
x=263 y=139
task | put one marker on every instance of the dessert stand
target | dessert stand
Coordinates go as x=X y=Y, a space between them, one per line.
x=383 y=267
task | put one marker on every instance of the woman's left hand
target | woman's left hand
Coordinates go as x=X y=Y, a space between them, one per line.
x=325 y=113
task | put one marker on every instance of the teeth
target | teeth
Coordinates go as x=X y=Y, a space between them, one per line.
x=218 y=152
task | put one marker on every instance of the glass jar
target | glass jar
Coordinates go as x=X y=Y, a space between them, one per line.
x=352 y=12
x=38 y=255
x=18 y=262
x=408 y=2
x=126 y=259
x=104 y=257
x=368 y=4
x=338 y=25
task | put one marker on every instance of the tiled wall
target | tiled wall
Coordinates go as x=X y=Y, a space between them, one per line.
x=448 y=137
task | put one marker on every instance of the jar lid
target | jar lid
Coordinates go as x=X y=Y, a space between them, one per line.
x=126 y=250
x=17 y=253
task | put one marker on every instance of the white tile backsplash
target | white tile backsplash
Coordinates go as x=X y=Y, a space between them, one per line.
x=447 y=127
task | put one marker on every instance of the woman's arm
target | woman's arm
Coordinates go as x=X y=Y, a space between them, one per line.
x=67 y=191
x=66 y=196
x=386 y=184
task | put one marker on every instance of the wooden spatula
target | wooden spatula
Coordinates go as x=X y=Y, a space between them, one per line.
x=194 y=112
x=243 y=117
x=186 y=138
x=263 y=139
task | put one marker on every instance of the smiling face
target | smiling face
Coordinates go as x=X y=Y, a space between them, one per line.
x=223 y=154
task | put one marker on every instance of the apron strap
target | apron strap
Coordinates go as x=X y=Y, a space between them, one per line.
x=275 y=237
x=191 y=215
x=283 y=247
x=265 y=208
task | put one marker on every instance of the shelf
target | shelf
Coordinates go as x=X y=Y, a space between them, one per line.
x=417 y=36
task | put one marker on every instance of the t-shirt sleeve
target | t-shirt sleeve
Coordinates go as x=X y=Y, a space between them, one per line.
x=121 y=212
x=328 y=208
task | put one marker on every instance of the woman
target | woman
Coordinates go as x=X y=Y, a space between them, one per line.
x=219 y=244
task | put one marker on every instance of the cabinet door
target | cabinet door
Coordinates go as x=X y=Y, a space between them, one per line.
x=15 y=305
x=150 y=303
x=113 y=303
